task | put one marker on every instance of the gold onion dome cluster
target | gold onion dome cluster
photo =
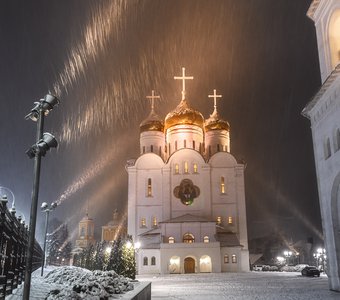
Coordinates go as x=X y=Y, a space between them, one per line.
x=184 y=114
x=216 y=123
x=152 y=123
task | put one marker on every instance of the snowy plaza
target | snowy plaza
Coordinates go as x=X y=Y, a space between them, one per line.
x=249 y=285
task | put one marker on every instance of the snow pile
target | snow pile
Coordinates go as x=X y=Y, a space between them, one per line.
x=80 y=283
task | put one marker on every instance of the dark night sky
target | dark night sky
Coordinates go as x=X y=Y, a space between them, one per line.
x=104 y=57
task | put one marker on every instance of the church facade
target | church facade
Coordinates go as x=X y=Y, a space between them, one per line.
x=186 y=198
x=324 y=114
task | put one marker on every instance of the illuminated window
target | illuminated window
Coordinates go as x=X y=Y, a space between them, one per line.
x=226 y=258
x=218 y=220
x=171 y=240
x=186 y=168
x=188 y=238
x=175 y=145
x=142 y=222
x=176 y=169
x=234 y=259
x=327 y=148
x=230 y=220
x=206 y=239
x=195 y=168
x=151 y=148
x=222 y=185
x=218 y=147
x=185 y=143
x=193 y=145
x=154 y=222
x=153 y=261
x=149 y=193
x=145 y=261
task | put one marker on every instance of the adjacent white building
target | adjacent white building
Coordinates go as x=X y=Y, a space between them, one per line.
x=324 y=114
x=186 y=198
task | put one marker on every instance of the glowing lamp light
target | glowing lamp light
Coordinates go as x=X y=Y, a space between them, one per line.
x=128 y=244
x=137 y=245
x=108 y=250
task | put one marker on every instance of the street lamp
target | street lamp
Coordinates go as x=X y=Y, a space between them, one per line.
x=320 y=257
x=45 y=208
x=287 y=254
x=43 y=143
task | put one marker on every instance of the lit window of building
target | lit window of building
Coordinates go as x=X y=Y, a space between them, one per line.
x=219 y=220
x=206 y=239
x=176 y=169
x=195 y=168
x=154 y=222
x=149 y=192
x=226 y=258
x=186 y=168
x=143 y=222
x=230 y=220
x=234 y=259
x=222 y=185
x=188 y=238
x=171 y=240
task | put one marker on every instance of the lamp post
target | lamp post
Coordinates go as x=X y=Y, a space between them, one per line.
x=43 y=143
x=46 y=209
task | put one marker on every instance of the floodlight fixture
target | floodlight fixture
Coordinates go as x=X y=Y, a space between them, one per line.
x=42 y=146
x=44 y=106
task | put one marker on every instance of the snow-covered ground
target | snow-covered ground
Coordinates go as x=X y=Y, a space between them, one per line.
x=245 y=286
x=231 y=286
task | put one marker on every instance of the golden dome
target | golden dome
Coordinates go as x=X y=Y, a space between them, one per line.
x=184 y=114
x=216 y=123
x=152 y=123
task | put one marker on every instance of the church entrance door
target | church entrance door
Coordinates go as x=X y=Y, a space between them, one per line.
x=189 y=265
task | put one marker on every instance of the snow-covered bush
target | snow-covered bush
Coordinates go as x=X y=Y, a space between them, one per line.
x=80 y=283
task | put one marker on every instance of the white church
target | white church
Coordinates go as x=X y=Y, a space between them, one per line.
x=186 y=197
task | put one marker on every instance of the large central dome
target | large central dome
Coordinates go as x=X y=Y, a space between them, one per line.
x=183 y=114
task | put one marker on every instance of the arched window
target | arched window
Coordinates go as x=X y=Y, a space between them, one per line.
x=176 y=169
x=206 y=239
x=171 y=240
x=226 y=258
x=334 y=37
x=195 y=168
x=230 y=220
x=153 y=261
x=82 y=232
x=234 y=259
x=185 y=143
x=188 y=238
x=222 y=185
x=193 y=145
x=186 y=168
x=145 y=261
x=149 y=192
x=151 y=148
x=327 y=148
x=337 y=140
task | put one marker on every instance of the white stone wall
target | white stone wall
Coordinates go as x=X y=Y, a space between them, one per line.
x=154 y=139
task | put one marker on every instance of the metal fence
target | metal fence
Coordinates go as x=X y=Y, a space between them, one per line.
x=13 y=246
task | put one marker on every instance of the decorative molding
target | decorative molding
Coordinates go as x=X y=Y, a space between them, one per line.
x=312 y=9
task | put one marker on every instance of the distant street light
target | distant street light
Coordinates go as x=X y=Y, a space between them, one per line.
x=45 y=208
x=320 y=257
x=43 y=143
x=287 y=255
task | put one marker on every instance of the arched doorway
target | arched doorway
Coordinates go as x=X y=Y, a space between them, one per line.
x=174 y=265
x=189 y=265
x=205 y=264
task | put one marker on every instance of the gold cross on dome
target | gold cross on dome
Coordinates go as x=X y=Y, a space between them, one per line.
x=183 y=78
x=215 y=98
x=153 y=97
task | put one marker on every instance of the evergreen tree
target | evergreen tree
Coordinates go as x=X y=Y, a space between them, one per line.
x=128 y=259
x=99 y=259
x=116 y=257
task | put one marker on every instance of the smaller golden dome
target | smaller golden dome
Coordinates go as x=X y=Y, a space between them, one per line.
x=184 y=114
x=152 y=123
x=216 y=123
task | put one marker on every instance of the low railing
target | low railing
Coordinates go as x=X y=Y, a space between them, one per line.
x=13 y=247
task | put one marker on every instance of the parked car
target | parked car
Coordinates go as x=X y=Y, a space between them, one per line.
x=257 y=268
x=310 y=271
